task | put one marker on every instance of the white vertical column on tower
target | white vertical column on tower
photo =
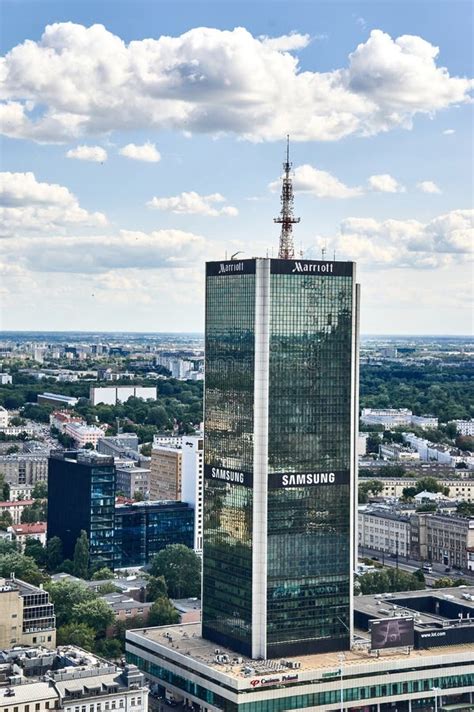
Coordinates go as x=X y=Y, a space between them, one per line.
x=260 y=459
x=353 y=533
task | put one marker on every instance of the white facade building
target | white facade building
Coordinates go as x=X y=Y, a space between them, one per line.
x=424 y=421
x=464 y=427
x=192 y=482
x=83 y=434
x=3 y=417
x=362 y=444
x=384 y=531
x=5 y=379
x=111 y=395
x=389 y=417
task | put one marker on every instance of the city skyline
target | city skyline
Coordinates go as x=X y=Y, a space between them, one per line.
x=129 y=161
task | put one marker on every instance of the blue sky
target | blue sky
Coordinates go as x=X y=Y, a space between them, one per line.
x=176 y=146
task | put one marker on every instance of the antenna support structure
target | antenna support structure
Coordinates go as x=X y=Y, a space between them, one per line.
x=286 y=218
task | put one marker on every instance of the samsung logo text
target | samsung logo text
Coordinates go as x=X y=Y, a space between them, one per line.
x=308 y=478
x=228 y=475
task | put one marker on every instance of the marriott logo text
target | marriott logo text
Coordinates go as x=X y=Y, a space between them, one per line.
x=326 y=267
x=227 y=267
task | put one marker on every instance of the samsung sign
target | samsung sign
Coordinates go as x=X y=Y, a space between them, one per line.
x=308 y=479
x=279 y=480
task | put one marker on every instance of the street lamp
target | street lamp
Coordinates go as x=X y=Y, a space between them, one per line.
x=342 y=657
x=436 y=690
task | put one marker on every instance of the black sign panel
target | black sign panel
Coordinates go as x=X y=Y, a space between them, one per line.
x=392 y=633
x=312 y=267
x=284 y=480
x=230 y=267
x=223 y=474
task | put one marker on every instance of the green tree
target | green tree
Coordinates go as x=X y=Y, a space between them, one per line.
x=96 y=613
x=443 y=582
x=369 y=487
x=78 y=634
x=409 y=492
x=81 y=556
x=162 y=612
x=427 y=507
x=110 y=648
x=181 y=569
x=5 y=520
x=65 y=595
x=102 y=574
x=54 y=554
x=373 y=442
x=4 y=489
x=388 y=581
x=25 y=568
x=466 y=509
x=36 y=550
x=156 y=588
x=40 y=490
x=420 y=576
x=35 y=513
x=12 y=450
x=138 y=496
x=146 y=449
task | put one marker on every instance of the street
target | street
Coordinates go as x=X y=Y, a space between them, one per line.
x=411 y=565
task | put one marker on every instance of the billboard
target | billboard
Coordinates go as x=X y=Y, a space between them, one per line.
x=392 y=633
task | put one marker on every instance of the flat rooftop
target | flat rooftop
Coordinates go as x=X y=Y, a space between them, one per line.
x=186 y=639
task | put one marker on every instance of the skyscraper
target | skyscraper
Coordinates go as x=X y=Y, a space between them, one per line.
x=280 y=413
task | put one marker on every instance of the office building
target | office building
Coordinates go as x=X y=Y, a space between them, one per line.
x=166 y=472
x=132 y=480
x=279 y=455
x=192 y=489
x=143 y=529
x=68 y=678
x=445 y=538
x=56 y=399
x=384 y=531
x=194 y=672
x=81 y=496
x=26 y=615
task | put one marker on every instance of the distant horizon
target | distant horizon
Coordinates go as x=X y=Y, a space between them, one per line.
x=201 y=333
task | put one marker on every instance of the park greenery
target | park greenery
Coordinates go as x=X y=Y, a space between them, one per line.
x=389 y=580
x=180 y=567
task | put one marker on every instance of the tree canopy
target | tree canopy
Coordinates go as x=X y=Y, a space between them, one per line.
x=181 y=569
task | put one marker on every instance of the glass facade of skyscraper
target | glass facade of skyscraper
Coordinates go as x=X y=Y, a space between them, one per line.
x=279 y=454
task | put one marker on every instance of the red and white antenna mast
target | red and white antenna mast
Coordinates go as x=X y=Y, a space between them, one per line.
x=286 y=218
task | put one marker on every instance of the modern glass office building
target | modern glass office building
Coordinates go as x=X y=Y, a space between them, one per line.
x=81 y=496
x=280 y=423
x=145 y=528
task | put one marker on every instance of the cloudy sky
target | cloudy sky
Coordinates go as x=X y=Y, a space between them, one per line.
x=141 y=138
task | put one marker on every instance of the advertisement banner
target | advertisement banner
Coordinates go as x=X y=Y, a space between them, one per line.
x=392 y=633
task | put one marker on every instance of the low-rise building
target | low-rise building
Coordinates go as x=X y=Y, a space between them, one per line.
x=83 y=434
x=125 y=607
x=462 y=489
x=388 y=417
x=59 y=419
x=57 y=400
x=21 y=532
x=26 y=615
x=132 y=479
x=24 y=468
x=15 y=430
x=446 y=539
x=5 y=379
x=394 y=451
x=15 y=509
x=384 y=531
x=464 y=427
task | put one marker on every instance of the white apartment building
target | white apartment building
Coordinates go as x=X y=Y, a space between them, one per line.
x=192 y=482
x=384 y=531
x=5 y=379
x=394 y=451
x=395 y=417
x=428 y=450
x=111 y=395
x=464 y=427
x=3 y=417
x=15 y=509
x=83 y=434
x=362 y=444
x=424 y=421
x=21 y=532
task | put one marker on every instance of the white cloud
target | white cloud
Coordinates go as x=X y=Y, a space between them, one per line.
x=404 y=243
x=385 y=183
x=427 y=186
x=321 y=184
x=77 y=81
x=147 y=152
x=192 y=203
x=449 y=132
x=96 y=154
x=102 y=253
x=27 y=205
x=286 y=43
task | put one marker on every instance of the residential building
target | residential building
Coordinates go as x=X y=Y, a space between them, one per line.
x=3 y=417
x=83 y=434
x=111 y=395
x=143 y=529
x=279 y=455
x=24 y=468
x=57 y=400
x=424 y=421
x=20 y=492
x=81 y=496
x=5 y=379
x=59 y=419
x=26 y=615
x=384 y=531
x=125 y=607
x=166 y=473
x=15 y=509
x=16 y=430
x=69 y=679
x=21 y=532
x=132 y=479
x=192 y=489
x=461 y=489
x=394 y=451
x=464 y=427
x=445 y=539
x=168 y=440
x=388 y=417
